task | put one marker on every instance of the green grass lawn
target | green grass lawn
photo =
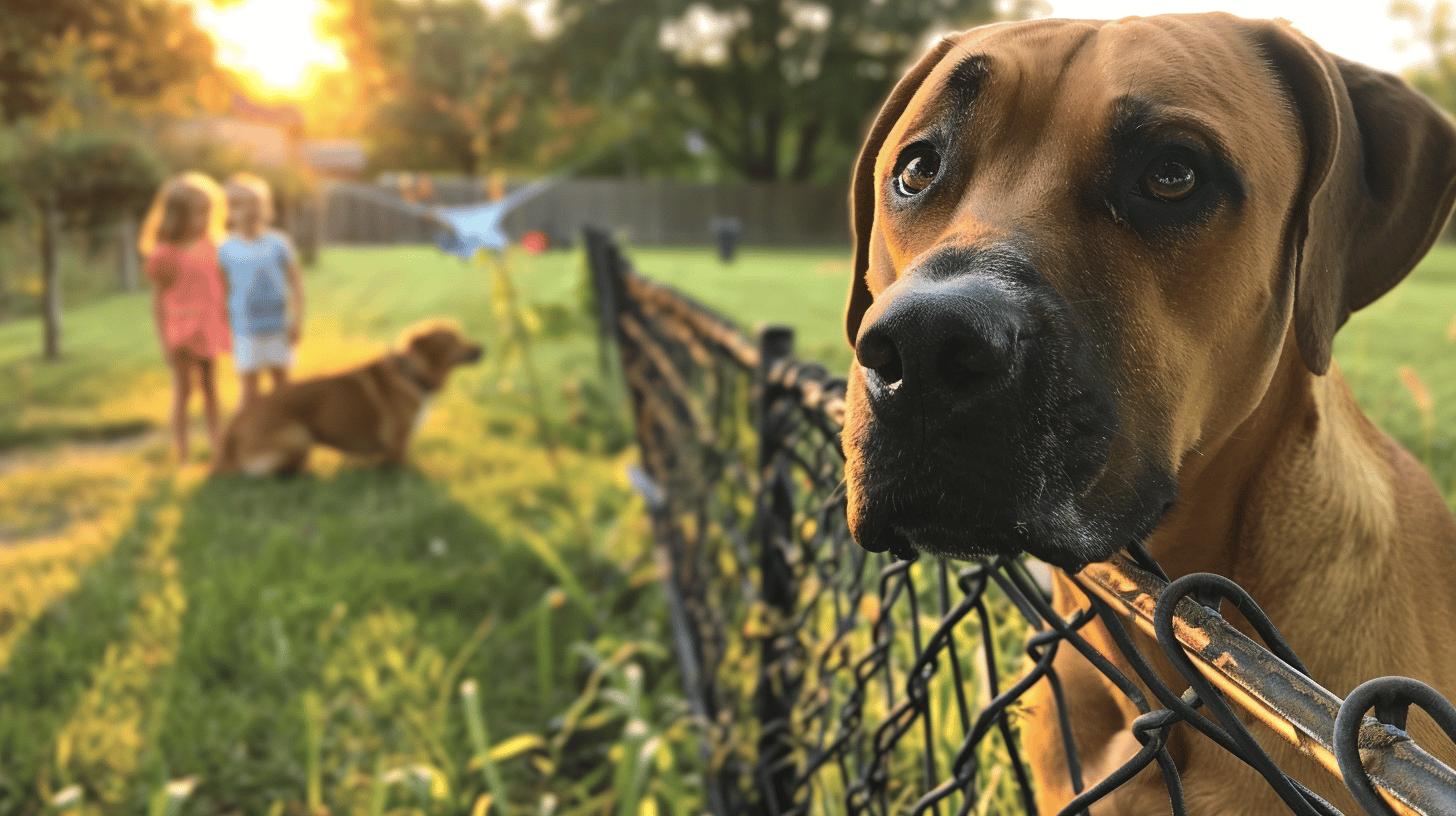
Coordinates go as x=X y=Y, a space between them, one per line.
x=371 y=640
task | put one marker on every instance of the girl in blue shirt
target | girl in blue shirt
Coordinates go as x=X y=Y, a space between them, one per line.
x=265 y=289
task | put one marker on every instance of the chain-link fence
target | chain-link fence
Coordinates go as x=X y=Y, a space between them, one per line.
x=832 y=680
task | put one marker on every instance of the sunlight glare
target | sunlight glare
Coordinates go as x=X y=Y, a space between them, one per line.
x=275 y=43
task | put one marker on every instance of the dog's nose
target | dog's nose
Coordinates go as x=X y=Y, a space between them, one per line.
x=956 y=337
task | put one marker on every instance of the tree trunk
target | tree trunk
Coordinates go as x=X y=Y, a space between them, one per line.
x=757 y=167
x=773 y=125
x=50 y=273
x=629 y=159
x=4 y=288
x=466 y=155
x=808 y=141
x=128 y=261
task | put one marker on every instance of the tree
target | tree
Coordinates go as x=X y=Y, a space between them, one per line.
x=450 y=83
x=12 y=207
x=58 y=55
x=776 y=89
x=1434 y=27
x=79 y=179
x=72 y=71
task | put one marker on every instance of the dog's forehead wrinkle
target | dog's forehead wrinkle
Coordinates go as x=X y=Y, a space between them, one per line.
x=1011 y=59
x=967 y=77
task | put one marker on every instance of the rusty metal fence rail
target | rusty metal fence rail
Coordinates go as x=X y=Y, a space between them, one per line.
x=831 y=680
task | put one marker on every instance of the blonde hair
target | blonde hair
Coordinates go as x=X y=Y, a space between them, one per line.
x=170 y=214
x=257 y=187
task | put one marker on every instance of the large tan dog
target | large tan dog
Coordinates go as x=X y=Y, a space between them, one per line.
x=370 y=411
x=1099 y=268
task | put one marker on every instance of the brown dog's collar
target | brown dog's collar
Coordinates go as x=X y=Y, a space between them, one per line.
x=410 y=372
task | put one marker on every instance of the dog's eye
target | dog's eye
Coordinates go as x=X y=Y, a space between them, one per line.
x=918 y=165
x=1169 y=179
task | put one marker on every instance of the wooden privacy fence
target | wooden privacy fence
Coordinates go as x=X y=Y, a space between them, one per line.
x=650 y=212
x=830 y=680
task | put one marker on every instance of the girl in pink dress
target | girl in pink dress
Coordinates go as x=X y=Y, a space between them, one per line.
x=179 y=239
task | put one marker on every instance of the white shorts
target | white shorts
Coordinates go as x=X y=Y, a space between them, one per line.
x=255 y=352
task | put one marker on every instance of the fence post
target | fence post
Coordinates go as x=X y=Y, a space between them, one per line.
x=604 y=264
x=778 y=679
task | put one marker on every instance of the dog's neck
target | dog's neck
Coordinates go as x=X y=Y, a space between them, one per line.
x=412 y=373
x=1336 y=532
x=1302 y=487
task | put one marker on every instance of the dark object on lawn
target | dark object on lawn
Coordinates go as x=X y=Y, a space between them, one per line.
x=727 y=232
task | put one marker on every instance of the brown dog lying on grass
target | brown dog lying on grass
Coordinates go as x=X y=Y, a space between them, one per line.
x=371 y=410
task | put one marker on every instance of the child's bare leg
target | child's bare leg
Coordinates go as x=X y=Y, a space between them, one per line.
x=280 y=377
x=250 y=387
x=208 y=382
x=181 y=363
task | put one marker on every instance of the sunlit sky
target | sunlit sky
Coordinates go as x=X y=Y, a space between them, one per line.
x=277 y=43
x=1360 y=30
x=273 y=42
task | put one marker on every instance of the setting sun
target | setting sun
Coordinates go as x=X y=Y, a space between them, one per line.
x=274 y=43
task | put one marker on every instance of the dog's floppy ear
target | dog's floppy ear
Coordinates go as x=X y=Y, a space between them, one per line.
x=862 y=187
x=1379 y=176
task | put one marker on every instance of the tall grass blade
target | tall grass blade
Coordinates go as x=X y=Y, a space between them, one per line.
x=480 y=744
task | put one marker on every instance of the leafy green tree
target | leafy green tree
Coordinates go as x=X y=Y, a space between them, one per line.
x=12 y=200
x=1434 y=28
x=65 y=61
x=774 y=89
x=450 y=83
x=81 y=180
x=12 y=207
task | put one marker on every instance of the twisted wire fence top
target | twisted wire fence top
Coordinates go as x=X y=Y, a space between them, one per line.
x=832 y=680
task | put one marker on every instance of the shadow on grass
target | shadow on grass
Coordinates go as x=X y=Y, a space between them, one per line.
x=283 y=577
x=60 y=432
x=283 y=581
x=52 y=663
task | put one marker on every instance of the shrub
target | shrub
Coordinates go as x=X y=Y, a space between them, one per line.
x=88 y=177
